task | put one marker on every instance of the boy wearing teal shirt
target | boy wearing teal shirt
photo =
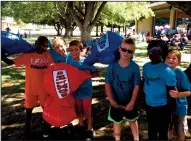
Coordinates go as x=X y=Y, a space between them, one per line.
x=184 y=89
x=122 y=82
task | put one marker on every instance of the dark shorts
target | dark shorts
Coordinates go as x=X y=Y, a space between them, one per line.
x=117 y=114
x=177 y=123
x=84 y=107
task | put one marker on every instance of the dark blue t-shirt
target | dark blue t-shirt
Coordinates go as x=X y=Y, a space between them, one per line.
x=123 y=80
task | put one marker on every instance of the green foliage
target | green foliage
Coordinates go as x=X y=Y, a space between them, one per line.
x=123 y=13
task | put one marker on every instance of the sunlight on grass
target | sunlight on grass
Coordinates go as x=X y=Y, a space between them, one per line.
x=16 y=105
x=95 y=100
x=37 y=110
x=97 y=83
x=98 y=78
x=11 y=126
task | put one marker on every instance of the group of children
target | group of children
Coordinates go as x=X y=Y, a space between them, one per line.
x=166 y=86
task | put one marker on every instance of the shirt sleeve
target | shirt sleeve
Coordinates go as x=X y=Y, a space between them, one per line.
x=170 y=77
x=137 y=76
x=185 y=84
x=21 y=60
x=108 y=74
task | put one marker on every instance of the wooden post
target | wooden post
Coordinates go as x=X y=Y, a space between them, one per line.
x=172 y=19
x=102 y=28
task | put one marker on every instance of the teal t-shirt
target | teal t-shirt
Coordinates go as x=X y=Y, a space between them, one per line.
x=123 y=80
x=85 y=90
x=182 y=85
x=156 y=78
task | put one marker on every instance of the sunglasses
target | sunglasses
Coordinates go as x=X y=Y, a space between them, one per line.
x=127 y=50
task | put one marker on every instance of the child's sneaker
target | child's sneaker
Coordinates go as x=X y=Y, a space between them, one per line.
x=70 y=128
x=46 y=133
x=89 y=135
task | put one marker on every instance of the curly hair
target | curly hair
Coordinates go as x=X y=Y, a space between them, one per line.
x=161 y=45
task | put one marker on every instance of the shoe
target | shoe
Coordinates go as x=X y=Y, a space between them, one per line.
x=89 y=135
x=46 y=133
x=70 y=128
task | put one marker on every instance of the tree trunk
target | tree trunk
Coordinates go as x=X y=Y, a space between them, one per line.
x=96 y=30
x=101 y=28
x=85 y=35
x=67 y=32
x=119 y=28
x=58 y=30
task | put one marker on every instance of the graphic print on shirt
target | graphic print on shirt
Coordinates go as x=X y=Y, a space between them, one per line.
x=151 y=78
x=39 y=63
x=61 y=83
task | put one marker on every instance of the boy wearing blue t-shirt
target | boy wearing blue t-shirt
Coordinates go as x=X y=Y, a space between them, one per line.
x=184 y=89
x=122 y=82
x=159 y=79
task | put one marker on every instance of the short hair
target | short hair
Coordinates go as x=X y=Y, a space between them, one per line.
x=176 y=52
x=76 y=43
x=56 y=41
x=160 y=44
x=41 y=40
x=129 y=41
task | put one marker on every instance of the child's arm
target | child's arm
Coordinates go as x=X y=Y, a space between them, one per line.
x=176 y=94
x=131 y=104
x=7 y=61
x=109 y=95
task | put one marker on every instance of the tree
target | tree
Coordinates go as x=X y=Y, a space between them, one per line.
x=85 y=15
x=126 y=14
x=50 y=13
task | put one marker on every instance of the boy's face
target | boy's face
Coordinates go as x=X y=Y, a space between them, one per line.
x=61 y=48
x=75 y=52
x=126 y=51
x=172 y=60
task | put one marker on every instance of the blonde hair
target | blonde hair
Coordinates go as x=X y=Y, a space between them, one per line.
x=57 y=41
x=176 y=52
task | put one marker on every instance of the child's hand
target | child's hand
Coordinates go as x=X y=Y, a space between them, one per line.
x=113 y=103
x=130 y=106
x=173 y=93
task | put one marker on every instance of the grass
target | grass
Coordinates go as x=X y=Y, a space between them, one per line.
x=12 y=122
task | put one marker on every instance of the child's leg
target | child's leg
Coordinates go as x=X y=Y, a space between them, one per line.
x=116 y=116
x=170 y=131
x=87 y=108
x=117 y=131
x=79 y=111
x=179 y=128
x=152 y=123
x=185 y=125
x=27 y=121
x=163 y=119
x=134 y=129
x=132 y=117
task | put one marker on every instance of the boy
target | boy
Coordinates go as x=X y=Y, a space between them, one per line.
x=122 y=82
x=35 y=65
x=83 y=95
x=158 y=79
x=184 y=89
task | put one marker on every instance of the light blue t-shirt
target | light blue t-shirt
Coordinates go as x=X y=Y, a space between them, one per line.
x=123 y=80
x=156 y=78
x=182 y=85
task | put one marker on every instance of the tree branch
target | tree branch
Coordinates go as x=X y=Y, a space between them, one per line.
x=89 y=7
x=98 y=14
x=78 y=22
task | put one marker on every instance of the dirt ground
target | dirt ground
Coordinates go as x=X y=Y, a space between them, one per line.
x=13 y=112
